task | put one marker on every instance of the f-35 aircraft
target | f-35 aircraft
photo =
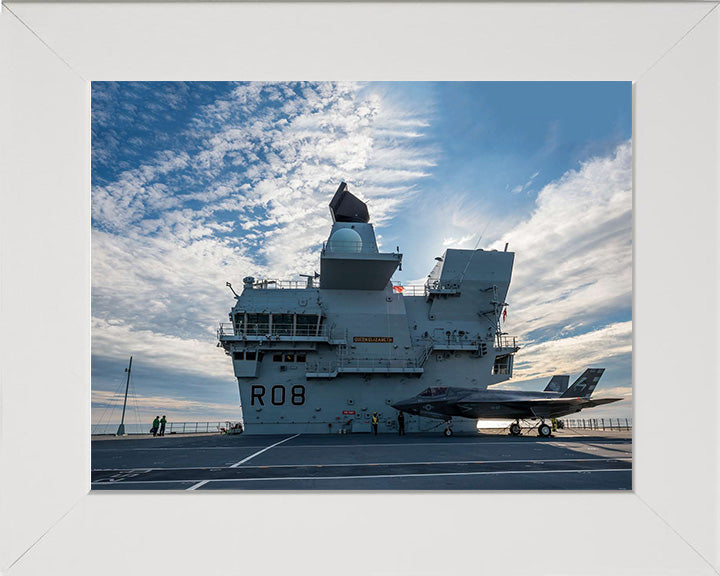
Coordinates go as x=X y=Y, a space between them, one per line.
x=556 y=400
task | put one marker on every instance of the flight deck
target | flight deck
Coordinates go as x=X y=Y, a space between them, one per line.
x=569 y=460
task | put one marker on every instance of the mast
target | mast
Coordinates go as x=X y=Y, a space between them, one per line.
x=121 y=428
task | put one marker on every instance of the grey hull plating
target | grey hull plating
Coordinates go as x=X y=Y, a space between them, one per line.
x=321 y=356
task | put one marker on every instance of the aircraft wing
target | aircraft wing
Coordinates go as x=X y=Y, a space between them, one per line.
x=529 y=402
x=532 y=407
x=600 y=401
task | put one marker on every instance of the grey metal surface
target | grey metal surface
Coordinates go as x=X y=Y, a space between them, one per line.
x=323 y=356
x=594 y=460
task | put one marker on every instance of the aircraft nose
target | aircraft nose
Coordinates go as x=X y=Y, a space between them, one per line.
x=402 y=405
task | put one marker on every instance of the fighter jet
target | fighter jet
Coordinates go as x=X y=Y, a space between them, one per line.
x=444 y=402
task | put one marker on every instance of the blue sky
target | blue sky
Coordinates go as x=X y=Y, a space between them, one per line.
x=195 y=184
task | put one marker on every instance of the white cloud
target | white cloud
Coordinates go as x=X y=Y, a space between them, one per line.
x=267 y=158
x=249 y=196
x=116 y=340
x=573 y=255
x=144 y=408
x=573 y=354
x=462 y=242
x=527 y=185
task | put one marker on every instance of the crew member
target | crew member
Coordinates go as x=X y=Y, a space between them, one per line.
x=155 y=426
x=374 y=423
x=163 y=421
x=554 y=424
x=401 y=423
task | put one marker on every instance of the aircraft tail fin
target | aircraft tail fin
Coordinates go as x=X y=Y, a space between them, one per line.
x=558 y=383
x=584 y=386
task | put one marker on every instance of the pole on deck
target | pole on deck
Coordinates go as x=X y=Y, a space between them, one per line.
x=121 y=428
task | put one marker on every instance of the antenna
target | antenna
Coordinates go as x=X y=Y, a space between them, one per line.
x=231 y=288
x=462 y=276
x=121 y=428
x=310 y=278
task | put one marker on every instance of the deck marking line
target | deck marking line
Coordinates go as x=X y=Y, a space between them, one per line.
x=479 y=442
x=409 y=463
x=503 y=472
x=447 y=445
x=198 y=485
x=261 y=451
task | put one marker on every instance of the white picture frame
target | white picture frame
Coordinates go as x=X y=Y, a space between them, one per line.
x=51 y=524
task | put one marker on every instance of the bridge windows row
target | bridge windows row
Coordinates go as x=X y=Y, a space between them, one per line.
x=278 y=357
x=253 y=324
x=286 y=358
x=247 y=355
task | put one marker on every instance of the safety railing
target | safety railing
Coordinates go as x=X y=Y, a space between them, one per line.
x=270 y=284
x=598 y=423
x=348 y=247
x=170 y=428
x=428 y=288
x=371 y=364
x=410 y=290
x=504 y=341
x=377 y=363
x=299 y=331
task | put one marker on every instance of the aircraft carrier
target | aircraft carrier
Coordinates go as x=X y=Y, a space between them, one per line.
x=315 y=359
x=322 y=355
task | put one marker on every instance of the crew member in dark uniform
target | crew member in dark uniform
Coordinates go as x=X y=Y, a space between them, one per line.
x=374 y=423
x=401 y=424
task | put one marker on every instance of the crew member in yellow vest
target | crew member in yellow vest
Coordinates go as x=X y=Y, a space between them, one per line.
x=374 y=422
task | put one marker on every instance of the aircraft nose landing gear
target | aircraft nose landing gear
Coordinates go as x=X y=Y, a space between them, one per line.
x=515 y=428
x=544 y=430
x=448 y=429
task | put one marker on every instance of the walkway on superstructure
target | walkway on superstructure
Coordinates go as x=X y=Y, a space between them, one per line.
x=491 y=461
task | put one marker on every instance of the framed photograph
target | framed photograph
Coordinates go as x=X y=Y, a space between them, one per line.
x=51 y=52
x=360 y=242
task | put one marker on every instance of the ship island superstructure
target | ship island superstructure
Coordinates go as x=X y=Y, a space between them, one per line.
x=322 y=354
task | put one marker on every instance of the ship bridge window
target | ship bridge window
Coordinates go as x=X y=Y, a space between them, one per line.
x=502 y=364
x=258 y=324
x=238 y=322
x=307 y=324
x=282 y=324
x=287 y=358
x=434 y=391
x=248 y=355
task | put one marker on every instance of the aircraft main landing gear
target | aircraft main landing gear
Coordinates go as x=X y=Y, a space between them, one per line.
x=515 y=428
x=544 y=430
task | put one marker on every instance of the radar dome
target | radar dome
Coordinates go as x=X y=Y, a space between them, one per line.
x=345 y=240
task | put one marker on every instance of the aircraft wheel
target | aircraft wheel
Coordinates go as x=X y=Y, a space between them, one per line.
x=544 y=430
x=448 y=432
x=515 y=429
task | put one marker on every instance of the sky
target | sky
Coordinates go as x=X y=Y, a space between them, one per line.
x=195 y=184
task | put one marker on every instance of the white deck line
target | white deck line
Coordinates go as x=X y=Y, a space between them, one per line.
x=450 y=444
x=198 y=485
x=499 y=472
x=261 y=451
x=358 y=464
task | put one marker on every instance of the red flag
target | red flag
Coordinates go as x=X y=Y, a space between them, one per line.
x=504 y=314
